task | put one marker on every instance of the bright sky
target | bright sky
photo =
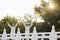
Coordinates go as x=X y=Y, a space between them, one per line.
x=17 y=7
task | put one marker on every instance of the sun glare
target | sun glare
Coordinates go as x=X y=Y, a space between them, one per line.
x=51 y=5
x=46 y=0
x=40 y=20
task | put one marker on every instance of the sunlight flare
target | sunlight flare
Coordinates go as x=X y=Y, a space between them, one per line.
x=46 y=0
x=51 y=5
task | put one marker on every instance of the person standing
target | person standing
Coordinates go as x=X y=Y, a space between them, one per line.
x=13 y=27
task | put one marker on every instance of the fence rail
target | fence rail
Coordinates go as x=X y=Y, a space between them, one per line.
x=31 y=36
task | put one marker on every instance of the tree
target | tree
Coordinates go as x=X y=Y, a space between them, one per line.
x=50 y=13
x=12 y=20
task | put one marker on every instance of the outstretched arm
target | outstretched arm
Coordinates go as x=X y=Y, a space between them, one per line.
x=16 y=25
x=9 y=25
x=23 y=23
x=31 y=24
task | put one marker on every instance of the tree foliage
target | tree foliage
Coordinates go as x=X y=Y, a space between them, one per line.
x=12 y=20
x=50 y=15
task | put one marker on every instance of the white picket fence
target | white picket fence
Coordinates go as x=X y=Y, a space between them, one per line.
x=31 y=36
